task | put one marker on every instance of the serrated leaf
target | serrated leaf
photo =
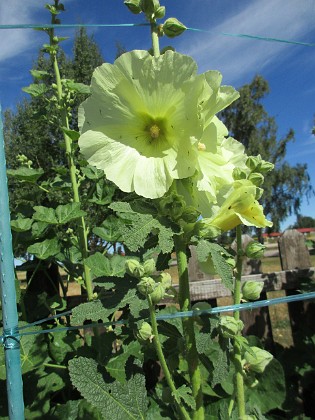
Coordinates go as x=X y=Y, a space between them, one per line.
x=26 y=174
x=138 y=227
x=45 y=214
x=205 y=249
x=21 y=224
x=66 y=213
x=93 y=311
x=116 y=366
x=114 y=400
x=36 y=89
x=45 y=249
x=38 y=229
x=183 y=393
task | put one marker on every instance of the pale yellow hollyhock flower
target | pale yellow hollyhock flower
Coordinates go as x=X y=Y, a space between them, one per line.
x=240 y=207
x=145 y=116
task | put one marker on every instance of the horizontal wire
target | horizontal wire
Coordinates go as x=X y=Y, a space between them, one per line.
x=188 y=314
x=117 y=25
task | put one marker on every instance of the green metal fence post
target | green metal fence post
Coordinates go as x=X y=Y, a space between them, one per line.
x=8 y=298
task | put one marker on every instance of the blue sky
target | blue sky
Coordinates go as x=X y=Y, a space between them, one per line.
x=289 y=69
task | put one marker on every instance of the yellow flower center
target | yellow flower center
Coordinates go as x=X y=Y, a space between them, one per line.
x=202 y=147
x=154 y=131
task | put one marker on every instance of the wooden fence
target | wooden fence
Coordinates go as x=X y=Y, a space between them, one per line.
x=276 y=323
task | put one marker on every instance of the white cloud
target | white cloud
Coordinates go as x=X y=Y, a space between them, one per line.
x=238 y=58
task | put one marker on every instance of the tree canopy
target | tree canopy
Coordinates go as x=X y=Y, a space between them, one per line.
x=249 y=123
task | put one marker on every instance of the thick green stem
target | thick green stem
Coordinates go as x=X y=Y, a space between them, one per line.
x=155 y=40
x=158 y=348
x=82 y=232
x=191 y=354
x=239 y=379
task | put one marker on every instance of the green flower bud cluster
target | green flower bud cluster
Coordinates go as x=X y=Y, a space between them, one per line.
x=151 y=8
x=24 y=161
x=174 y=207
x=257 y=167
x=255 y=250
x=251 y=290
x=172 y=27
x=154 y=286
x=144 y=333
x=256 y=360
x=229 y=327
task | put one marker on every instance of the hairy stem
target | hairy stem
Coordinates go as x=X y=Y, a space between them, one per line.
x=82 y=232
x=160 y=354
x=155 y=40
x=239 y=380
x=188 y=327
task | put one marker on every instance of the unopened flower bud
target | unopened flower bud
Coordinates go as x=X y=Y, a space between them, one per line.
x=256 y=178
x=190 y=214
x=201 y=306
x=265 y=166
x=251 y=290
x=158 y=293
x=173 y=27
x=149 y=7
x=258 y=193
x=229 y=327
x=165 y=279
x=146 y=286
x=238 y=174
x=160 y=12
x=172 y=205
x=145 y=332
x=133 y=6
x=255 y=250
x=257 y=361
x=149 y=267
x=134 y=268
x=252 y=162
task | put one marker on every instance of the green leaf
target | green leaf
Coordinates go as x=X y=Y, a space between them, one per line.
x=36 y=89
x=205 y=249
x=78 y=87
x=39 y=74
x=138 y=227
x=76 y=410
x=45 y=214
x=116 y=366
x=74 y=135
x=26 y=174
x=270 y=392
x=66 y=213
x=109 y=229
x=45 y=249
x=183 y=393
x=93 y=311
x=102 y=266
x=21 y=224
x=114 y=400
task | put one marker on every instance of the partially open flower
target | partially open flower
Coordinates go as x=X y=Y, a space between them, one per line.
x=240 y=206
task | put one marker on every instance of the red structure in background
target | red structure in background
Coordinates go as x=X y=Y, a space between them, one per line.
x=276 y=234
